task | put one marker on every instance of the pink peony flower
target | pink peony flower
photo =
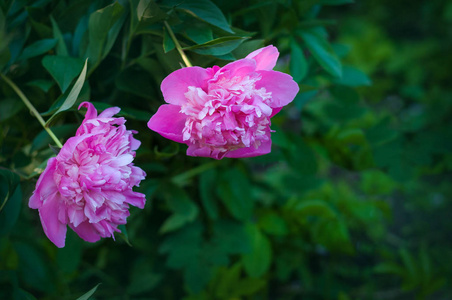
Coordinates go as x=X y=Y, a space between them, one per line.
x=88 y=185
x=224 y=112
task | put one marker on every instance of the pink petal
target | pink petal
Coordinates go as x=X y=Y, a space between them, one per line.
x=241 y=67
x=265 y=57
x=264 y=148
x=109 y=112
x=176 y=84
x=53 y=228
x=86 y=231
x=45 y=185
x=168 y=122
x=91 y=113
x=135 y=199
x=281 y=85
x=275 y=111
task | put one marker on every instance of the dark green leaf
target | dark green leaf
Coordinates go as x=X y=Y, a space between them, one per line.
x=219 y=46
x=298 y=63
x=322 y=51
x=207 y=182
x=136 y=82
x=335 y=2
x=99 y=26
x=234 y=191
x=73 y=94
x=88 y=294
x=168 y=43
x=61 y=48
x=38 y=48
x=63 y=69
x=353 y=77
x=10 y=201
x=184 y=209
x=9 y=107
x=202 y=9
x=44 y=85
x=258 y=261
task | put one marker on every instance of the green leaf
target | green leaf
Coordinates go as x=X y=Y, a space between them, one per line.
x=322 y=51
x=69 y=257
x=99 y=25
x=123 y=234
x=353 y=77
x=10 y=201
x=184 y=209
x=305 y=208
x=234 y=191
x=73 y=94
x=335 y=2
x=10 y=181
x=298 y=63
x=219 y=46
x=207 y=186
x=144 y=13
x=88 y=294
x=127 y=112
x=272 y=223
x=42 y=84
x=63 y=69
x=136 y=82
x=61 y=48
x=38 y=48
x=205 y=10
x=199 y=33
x=168 y=43
x=9 y=107
x=257 y=262
x=43 y=139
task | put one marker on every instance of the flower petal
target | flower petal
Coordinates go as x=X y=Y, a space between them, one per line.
x=241 y=67
x=45 y=185
x=168 y=122
x=53 y=228
x=264 y=148
x=265 y=57
x=281 y=85
x=176 y=84
x=109 y=112
x=86 y=231
x=91 y=113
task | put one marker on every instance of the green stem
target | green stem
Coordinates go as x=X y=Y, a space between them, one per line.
x=178 y=47
x=32 y=109
x=183 y=177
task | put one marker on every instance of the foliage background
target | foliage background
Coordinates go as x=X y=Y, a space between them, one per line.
x=352 y=203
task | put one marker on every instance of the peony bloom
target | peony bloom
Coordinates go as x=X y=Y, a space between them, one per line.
x=224 y=112
x=88 y=185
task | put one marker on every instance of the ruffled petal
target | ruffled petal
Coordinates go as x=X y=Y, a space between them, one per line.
x=265 y=57
x=241 y=67
x=168 y=122
x=264 y=148
x=281 y=85
x=86 y=231
x=53 y=228
x=45 y=185
x=91 y=113
x=176 y=84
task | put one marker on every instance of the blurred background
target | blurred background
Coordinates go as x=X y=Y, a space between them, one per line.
x=353 y=202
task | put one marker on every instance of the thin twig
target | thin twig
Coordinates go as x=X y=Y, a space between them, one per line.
x=178 y=47
x=32 y=109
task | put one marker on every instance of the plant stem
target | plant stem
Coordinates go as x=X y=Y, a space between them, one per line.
x=183 y=177
x=178 y=47
x=32 y=109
